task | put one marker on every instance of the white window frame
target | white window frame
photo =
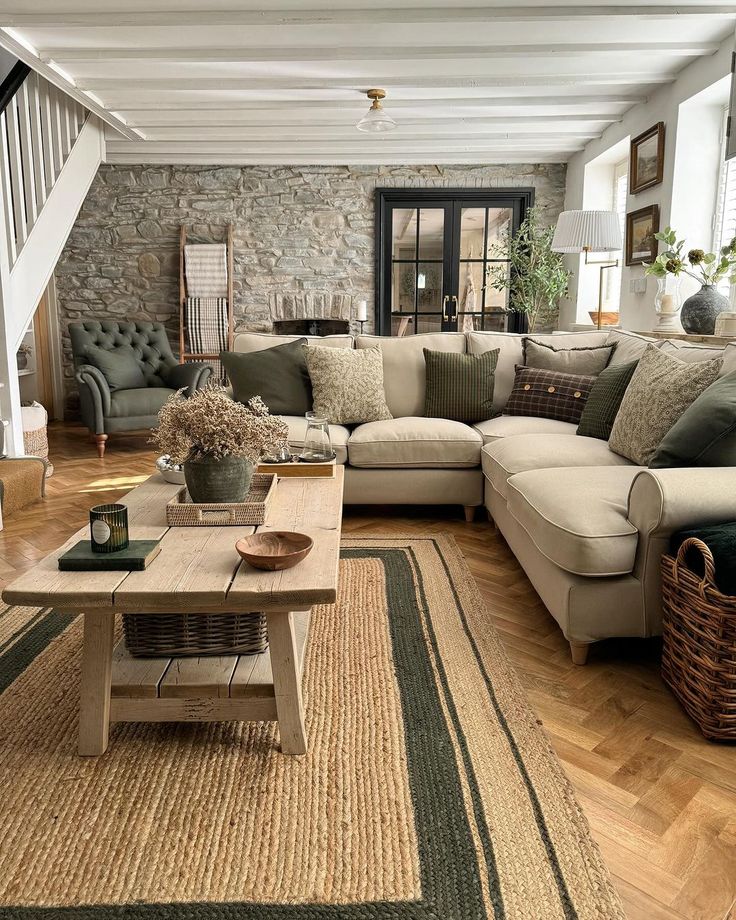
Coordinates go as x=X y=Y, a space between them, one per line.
x=619 y=193
x=724 y=216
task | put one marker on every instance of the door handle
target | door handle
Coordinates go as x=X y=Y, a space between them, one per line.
x=445 y=301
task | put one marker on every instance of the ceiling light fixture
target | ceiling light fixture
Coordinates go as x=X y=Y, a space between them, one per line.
x=376 y=120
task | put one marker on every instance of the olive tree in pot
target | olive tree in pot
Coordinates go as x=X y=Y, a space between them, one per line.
x=218 y=441
x=538 y=279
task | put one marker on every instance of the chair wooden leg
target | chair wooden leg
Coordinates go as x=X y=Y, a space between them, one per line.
x=101 y=440
x=579 y=652
x=469 y=513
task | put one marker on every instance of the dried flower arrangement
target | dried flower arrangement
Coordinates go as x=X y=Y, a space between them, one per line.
x=210 y=424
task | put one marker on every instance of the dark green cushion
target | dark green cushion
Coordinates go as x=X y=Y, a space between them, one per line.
x=460 y=387
x=605 y=398
x=721 y=541
x=145 y=401
x=278 y=375
x=705 y=434
x=119 y=366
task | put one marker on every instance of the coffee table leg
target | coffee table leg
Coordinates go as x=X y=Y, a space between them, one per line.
x=287 y=681
x=94 y=702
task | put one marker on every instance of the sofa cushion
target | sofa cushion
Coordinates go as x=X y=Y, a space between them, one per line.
x=338 y=435
x=141 y=401
x=629 y=346
x=459 y=387
x=415 y=442
x=257 y=341
x=577 y=518
x=510 y=354
x=601 y=407
x=504 y=426
x=278 y=375
x=509 y=456
x=549 y=394
x=551 y=356
x=404 y=370
x=119 y=366
x=690 y=352
x=347 y=385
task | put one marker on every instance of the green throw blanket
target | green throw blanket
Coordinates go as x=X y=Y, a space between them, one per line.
x=721 y=540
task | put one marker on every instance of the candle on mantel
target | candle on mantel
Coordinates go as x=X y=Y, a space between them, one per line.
x=667 y=304
x=362 y=311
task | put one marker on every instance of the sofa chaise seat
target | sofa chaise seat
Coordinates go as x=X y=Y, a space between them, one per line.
x=505 y=426
x=415 y=443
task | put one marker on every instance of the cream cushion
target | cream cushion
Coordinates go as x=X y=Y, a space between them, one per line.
x=590 y=535
x=510 y=353
x=257 y=341
x=338 y=435
x=414 y=442
x=504 y=426
x=690 y=353
x=508 y=456
x=404 y=372
x=629 y=346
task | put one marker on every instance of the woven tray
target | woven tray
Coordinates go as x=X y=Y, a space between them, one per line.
x=182 y=635
x=182 y=512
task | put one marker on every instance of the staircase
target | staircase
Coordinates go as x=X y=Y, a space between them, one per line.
x=50 y=150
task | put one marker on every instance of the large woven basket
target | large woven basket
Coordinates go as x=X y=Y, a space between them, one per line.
x=699 y=643
x=183 y=635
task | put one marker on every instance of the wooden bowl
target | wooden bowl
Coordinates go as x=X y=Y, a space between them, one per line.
x=275 y=549
x=608 y=318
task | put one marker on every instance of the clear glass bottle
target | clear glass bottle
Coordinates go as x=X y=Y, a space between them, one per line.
x=317 y=441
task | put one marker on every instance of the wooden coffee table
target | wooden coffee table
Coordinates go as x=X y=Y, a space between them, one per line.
x=197 y=571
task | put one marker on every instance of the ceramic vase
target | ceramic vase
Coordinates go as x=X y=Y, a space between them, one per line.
x=700 y=310
x=212 y=481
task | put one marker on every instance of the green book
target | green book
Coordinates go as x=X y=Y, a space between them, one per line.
x=82 y=558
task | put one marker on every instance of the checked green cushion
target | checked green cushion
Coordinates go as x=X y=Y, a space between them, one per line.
x=605 y=398
x=460 y=387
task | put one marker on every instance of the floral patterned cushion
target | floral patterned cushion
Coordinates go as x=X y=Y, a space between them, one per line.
x=347 y=384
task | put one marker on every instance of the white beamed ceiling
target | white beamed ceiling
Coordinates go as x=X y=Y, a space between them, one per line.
x=476 y=82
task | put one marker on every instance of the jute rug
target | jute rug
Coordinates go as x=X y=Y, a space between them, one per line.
x=429 y=790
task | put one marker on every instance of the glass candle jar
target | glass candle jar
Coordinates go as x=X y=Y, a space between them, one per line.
x=108 y=526
x=317 y=441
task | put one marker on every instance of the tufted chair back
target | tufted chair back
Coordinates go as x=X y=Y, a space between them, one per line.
x=148 y=340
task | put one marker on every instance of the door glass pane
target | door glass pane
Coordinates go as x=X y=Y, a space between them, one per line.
x=431 y=233
x=470 y=289
x=429 y=286
x=495 y=299
x=499 y=225
x=430 y=323
x=472 y=232
x=403 y=325
x=404 y=287
x=404 y=233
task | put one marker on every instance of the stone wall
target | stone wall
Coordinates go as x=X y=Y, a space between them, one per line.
x=297 y=228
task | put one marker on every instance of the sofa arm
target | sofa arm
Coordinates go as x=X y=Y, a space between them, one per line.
x=191 y=376
x=94 y=380
x=666 y=500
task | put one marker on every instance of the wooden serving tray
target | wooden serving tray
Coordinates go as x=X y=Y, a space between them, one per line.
x=181 y=511
x=295 y=469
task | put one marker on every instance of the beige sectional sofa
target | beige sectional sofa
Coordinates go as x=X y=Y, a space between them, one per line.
x=588 y=526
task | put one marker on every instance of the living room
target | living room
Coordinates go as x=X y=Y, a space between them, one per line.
x=369 y=396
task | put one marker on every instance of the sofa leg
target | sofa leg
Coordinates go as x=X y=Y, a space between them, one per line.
x=579 y=652
x=101 y=440
x=469 y=513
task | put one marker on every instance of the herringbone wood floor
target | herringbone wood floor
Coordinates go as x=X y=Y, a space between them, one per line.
x=661 y=801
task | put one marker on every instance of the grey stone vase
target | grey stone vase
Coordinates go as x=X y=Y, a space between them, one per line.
x=700 y=310
x=211 y=481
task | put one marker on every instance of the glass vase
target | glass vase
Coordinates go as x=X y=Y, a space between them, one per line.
x=667 y=303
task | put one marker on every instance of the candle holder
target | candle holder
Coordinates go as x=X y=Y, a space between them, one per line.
x=108 y=526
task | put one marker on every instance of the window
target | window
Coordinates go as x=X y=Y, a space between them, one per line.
x=619 y=190
x=724 y=224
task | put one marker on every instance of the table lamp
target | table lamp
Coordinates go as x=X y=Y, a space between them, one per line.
x=589 y=231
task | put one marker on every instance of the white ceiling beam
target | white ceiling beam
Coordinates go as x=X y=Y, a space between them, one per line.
x=429 y=146
x=26 y=53
x=58 y=17
x=346 y=134
x=305 y=52
x=137 y=154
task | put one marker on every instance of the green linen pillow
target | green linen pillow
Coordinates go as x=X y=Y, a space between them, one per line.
x=278 y=375
x=705 y=434
x=460 y=387
x=119 y=366
x=588 y=359
x=661 y=389
x=602 y=405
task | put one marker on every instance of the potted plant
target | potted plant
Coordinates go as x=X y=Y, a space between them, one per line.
x=217 y=440
x=700 y=310
x=21 y=356
x=538 y=278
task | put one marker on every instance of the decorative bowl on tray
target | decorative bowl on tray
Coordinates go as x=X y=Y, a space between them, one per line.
x=274 y=550
x=172 y=472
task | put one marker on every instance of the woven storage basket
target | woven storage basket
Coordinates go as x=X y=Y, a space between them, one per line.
x=699 y=643
x=36 y=438
x=183 y=635
x=182 y=512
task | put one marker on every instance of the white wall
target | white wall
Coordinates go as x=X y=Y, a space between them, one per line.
x=687 y=192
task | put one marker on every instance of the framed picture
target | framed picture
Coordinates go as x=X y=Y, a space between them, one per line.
x=646 y=167
x=641 y=226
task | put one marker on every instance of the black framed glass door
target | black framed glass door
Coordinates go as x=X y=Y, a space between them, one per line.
x=437 y=250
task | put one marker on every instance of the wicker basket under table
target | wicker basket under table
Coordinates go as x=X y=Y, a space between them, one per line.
x=699 y=643
x=183 y=635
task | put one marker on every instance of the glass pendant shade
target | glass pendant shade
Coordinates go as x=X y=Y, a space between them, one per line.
x=375 y=120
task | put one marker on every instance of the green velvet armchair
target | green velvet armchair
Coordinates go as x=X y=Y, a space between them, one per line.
x=126 y=372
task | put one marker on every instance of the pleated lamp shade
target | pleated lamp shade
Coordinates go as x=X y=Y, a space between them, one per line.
x=596 y=231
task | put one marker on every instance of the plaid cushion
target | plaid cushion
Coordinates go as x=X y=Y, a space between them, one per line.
x=549 y=394
x=602 y=405
x=460 y=387
x=206 y=324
